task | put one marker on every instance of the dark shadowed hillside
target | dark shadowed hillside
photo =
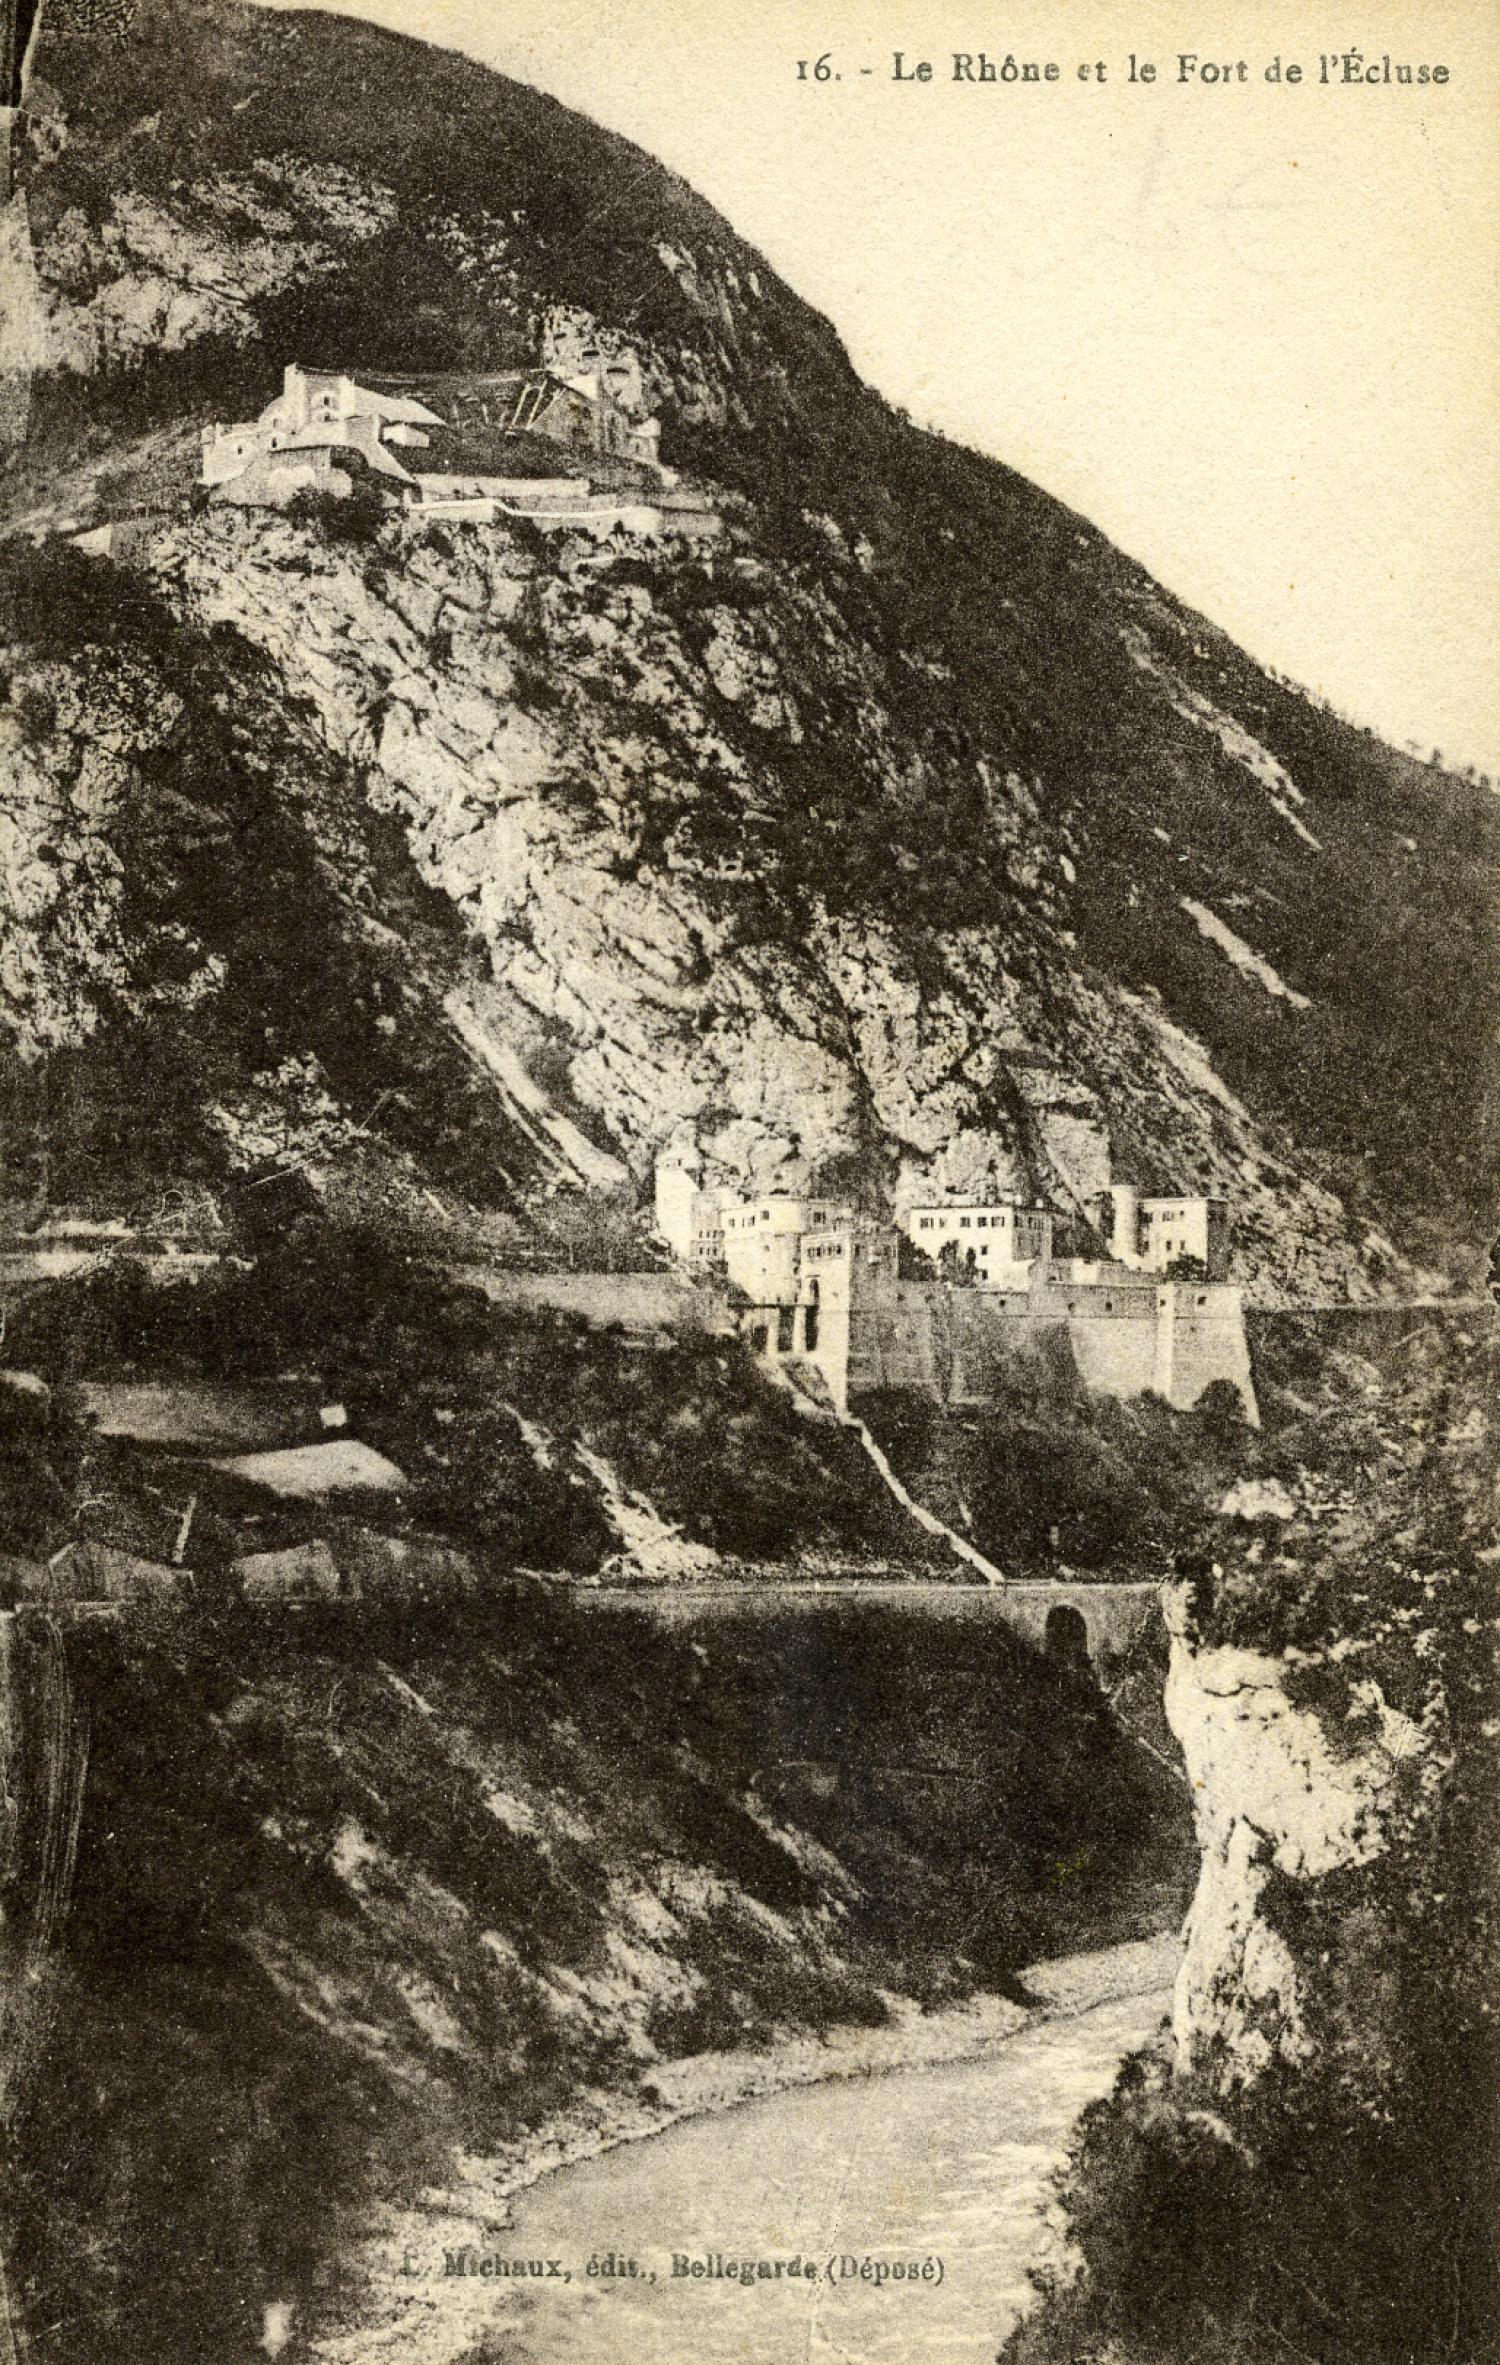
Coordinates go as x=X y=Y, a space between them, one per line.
x=359 y=1898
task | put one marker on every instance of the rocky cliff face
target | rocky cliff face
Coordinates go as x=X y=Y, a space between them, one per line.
x=1281 y=1814
x=1306 y=2168
x=908 y=832
x=1331 y=1686
x=600 y=768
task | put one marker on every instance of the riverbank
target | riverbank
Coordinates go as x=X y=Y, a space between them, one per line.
x=360 y=1902
x=388 y=2312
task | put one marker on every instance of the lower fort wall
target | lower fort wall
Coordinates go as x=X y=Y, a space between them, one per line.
x=1201 y=1339
x=1173 y=1341
x=1116 y=1357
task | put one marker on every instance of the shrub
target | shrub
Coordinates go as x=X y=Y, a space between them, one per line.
x=356 y=518
x=1339 y=2208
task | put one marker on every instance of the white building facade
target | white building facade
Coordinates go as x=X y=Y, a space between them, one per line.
x=816 y=1284
x=327 y=429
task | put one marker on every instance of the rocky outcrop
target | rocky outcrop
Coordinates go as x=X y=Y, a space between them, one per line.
x=596 y=765
x=158 y=273
x=1282 y=1814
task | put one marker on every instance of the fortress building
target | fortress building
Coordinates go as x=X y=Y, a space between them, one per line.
x=450 y=444
x=1153 y=1235
x=942 y=1302
x=990 y=1243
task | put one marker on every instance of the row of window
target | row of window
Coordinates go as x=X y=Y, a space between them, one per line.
x=817 y=1217
x=981 y=1223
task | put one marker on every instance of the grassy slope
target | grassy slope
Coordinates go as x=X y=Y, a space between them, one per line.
x=487 y=1412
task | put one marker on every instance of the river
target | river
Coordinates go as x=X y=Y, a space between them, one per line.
x=949 y=2166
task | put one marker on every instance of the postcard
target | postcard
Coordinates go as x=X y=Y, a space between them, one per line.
x=748 y=1124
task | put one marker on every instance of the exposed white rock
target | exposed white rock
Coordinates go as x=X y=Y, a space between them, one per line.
x=1257 y=1498
x=162 y=271
x=1281 y=789
x=650 y=1546
x=1270 y=1797
x=1244 y=956
x=311 y=1471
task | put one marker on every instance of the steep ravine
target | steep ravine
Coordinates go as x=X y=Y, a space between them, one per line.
x=1321 y=2123
x=360 y=1895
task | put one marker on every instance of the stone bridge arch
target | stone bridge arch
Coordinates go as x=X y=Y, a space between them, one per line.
x=1065 y=1636
x=1078 y=1623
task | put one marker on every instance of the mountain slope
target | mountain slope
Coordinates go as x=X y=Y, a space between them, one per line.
x=910 y=834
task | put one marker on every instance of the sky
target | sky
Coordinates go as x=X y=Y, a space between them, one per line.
x=1248 y=327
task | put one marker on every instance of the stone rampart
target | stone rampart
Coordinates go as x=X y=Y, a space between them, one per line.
x=1124 y=1340
x=641 y=1301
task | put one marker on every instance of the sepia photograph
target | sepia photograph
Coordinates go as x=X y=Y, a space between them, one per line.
x=749 y=1183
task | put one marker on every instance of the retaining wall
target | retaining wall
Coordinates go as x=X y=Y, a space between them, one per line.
x=641 y=1301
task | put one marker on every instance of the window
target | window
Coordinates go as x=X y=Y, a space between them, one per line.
x=963 y=1223
x=924 y=1223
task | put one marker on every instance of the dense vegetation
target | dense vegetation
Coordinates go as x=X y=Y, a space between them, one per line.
x=484 y=1409
x=1047 y=1478
x=1340 y=2209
